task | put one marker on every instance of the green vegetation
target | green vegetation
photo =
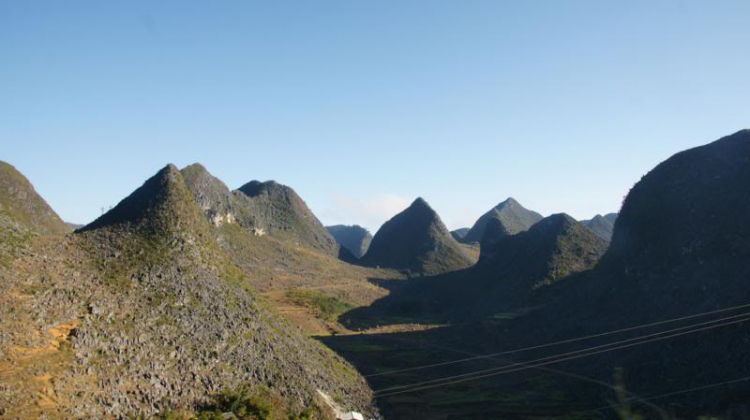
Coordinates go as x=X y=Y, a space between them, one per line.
x=13 y=238
x=325 y=307
x=245 y=403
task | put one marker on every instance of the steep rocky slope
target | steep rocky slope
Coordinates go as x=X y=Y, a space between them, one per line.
x=266 y=208
x=21 y=203
x=23 y=215
x=146 y=313
x=513 y=217
x=213 y=196
x=354 y=238
x=416 y=240
x=603 y=226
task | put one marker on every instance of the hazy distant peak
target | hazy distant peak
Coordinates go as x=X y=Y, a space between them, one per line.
x=513 y=216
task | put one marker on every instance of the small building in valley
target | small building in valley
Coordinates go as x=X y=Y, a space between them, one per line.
x=352 y=415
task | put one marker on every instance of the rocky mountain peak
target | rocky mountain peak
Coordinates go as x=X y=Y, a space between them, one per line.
x=513 y=217
x=162 y=204
x=416 y=240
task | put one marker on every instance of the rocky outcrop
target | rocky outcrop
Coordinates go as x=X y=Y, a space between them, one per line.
x=212 y=195
x=280 y=212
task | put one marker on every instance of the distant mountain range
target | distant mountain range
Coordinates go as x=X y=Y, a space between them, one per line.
x=511 y=271
x=602 y=225
x=355 y=238
x=513 y=217
x=460 y=234
x=416 y=240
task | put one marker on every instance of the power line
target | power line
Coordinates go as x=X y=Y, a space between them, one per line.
x=612 y=387
x=556 y=343
x=500 y=371
x=588 y=349
x=675 y=393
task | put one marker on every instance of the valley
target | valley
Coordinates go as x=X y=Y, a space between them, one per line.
x=188 y=300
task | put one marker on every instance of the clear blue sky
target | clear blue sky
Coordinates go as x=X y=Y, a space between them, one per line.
x=362 y=106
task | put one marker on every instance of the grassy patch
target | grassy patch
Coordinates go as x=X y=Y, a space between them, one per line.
x=323 y=306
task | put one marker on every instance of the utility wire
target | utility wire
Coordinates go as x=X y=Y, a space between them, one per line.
x=499 y=371
x=556 y=343
x=675 y=393
x=585 y=350
x=612 y=387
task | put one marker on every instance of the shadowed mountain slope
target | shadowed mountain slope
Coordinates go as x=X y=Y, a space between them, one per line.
x=156 y=316
x=513 y=216
x=684 y=231
x=355 y=238
x=680 y=249
x=416 y=240
x=20 y=203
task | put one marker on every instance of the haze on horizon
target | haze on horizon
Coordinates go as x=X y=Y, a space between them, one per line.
x=363 y=106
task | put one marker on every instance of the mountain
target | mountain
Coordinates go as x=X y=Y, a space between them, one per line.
x=602 y=225
x=684 y=230
x=355 y=238
x=554 y=248
x=416 y=240
x=460 y=234
x=663 y=311
x=163 y=205
x=513 y=216
x=512 y=270
x=141 y=311
x=266 y=208
x=21 y=204
x=279 y=211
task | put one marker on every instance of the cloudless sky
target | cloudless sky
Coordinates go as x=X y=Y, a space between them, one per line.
x=361 y=106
